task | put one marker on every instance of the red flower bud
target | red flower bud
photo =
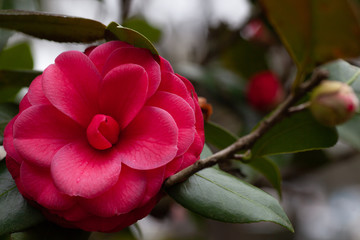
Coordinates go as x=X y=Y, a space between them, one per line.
x=264 y=91
x=333 y=103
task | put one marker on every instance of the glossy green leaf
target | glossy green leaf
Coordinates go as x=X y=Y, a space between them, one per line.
x=270 y=170
x=53 y=27
x=218 y=195
x=115 y=31
x=218 y=136
x=316 y=31
x=18 y=78
x=7 y=112
x=16 y=57
x=15 y=213
x=296 y=133
x=143 y=27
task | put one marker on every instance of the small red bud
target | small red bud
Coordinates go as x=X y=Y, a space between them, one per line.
x=206 y=108
x=264 y=91
x=333 y=103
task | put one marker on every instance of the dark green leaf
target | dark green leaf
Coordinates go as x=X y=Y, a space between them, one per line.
x=299 y=132
x=115 y=31
x=217 y=195
x=15 y=213
x=316 y=31
x=125 y=234
x=218 y=136
x=18 y=78
x=270 y=170
x=7 y=112
x=16 y=57
x=53 y=27
x=143 y=27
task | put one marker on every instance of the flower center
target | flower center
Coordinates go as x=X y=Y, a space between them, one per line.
x=102 y=132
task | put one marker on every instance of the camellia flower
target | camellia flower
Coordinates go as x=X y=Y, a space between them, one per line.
x=264 y=91
x=333 y=103
x=98 y=133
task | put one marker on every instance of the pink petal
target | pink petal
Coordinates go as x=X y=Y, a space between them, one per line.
x=101 y=53
x=123 y=92
x=9 y=141
x=24 y=103
x=80 y=170
x=115 y=224
x=173 y=166
x=122 y=198
x=138 y=56
x=182 y=113
x=193 y=154
x=72 y=86
x=165 y=66
x=36 y=94
x=149 y=141
x=155 y=179
x=76 y=213
x=173 y=84
x=40 y=131
x=12 y=166
x=38 y=184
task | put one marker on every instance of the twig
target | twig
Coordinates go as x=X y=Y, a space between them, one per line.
x=247 y=141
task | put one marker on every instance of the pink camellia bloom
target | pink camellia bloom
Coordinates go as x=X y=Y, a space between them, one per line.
x=264 y=91
x=98 y=133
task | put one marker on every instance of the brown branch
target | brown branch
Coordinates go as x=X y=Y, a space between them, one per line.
x=247 y=141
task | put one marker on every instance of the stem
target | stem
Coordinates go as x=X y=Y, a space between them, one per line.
x=353 y=78
x=247 y=141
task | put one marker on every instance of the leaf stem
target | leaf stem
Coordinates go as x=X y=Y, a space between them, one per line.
x=247 y=141
x=353 y=78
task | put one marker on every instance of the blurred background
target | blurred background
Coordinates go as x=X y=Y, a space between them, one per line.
x=220 y=46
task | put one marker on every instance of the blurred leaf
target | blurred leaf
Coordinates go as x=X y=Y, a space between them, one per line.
x=270 y=170
x=218 y=195
x=115 y=31
x=5 y=237
x=15 y=213
x=316 y=31
x=7 y=112
x=206 y=152
x=125 y=234
x=19 y=78
x=143 y=27
x=218 y=136
x=296 y=133
x=54 y=27
x=350 y=131
x=47 y=230
x=16 y=57
x=245 y=58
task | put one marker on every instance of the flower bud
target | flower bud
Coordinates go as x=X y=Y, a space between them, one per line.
x=206 y=108
x=264 y=91
x=333 y=103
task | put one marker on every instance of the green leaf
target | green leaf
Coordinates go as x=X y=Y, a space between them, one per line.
x=316 y=31
x=206 y=152
x=350 y=131
x=16 y=57
x=7 y=112
x=218 y=136
x=53 y=27
x=115 y=31
x=297 y=133
x=218 y=195
x=270 y=170
x=15 y=213
x=143 y=27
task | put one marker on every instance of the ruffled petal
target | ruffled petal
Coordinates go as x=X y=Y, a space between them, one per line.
x=24 y=103
x=173 y=166
x=80 y=170
x=72 y=86
x=76 y=213
x=36 y=94
x=149 y=141
x=140 y=57
x=173 y=84
x=38 y=184
x=123 y=93
x=193 y=154
x=154 y=181
x=40 y=131
x=182 y=113
x=101 y=53
x=9 y=141
x=165 y=66
x=122 y=198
